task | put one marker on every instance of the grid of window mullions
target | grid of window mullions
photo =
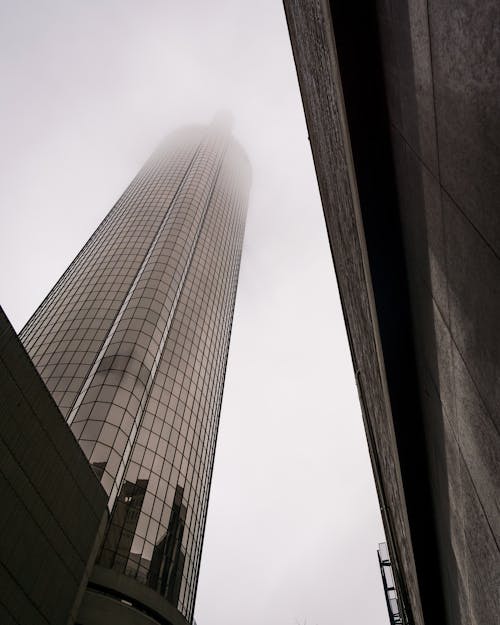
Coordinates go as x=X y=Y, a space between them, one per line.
x=138 y=188
x=214 y=398
x=203 y=501
x=75 y=304
x=209 y=468
x=177 y=418
x=104 y=453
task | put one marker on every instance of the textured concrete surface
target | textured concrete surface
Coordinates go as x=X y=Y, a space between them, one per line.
x=465 y=51
x=444 y=76
x=420 y=82
x=53 y=509
x=319 y=79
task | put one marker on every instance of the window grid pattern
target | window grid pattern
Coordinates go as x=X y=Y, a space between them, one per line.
x=67 y=331
x=144 y=394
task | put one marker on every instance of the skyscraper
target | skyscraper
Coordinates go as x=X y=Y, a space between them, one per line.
x=132 y=342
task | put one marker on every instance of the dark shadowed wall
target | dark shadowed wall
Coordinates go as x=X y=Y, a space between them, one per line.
x=401 y=101
x=53 y=510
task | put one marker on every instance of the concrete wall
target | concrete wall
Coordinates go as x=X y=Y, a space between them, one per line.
x=441 y=65
x=318 y=71
x=53 y=510
x=402 y=105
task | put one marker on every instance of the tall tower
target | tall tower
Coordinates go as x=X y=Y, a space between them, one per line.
x=132 y=342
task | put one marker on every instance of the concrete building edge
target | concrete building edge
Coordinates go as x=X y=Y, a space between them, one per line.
x=88 y=569
x=396 y=559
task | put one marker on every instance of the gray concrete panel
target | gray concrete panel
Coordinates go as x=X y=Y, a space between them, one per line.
x=421 y=217
x=406 y=52
x=482 y=558
x=465 y=41
x=53 y=508
x=440 y=94
x=453 y=277
x=474 y=292
x=479 y=442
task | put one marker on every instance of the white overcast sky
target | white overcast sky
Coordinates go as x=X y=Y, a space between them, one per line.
x=88 y=88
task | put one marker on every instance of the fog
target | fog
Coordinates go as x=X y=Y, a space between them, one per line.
x=89 y=90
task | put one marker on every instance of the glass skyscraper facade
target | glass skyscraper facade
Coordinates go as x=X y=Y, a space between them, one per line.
x=132 y=342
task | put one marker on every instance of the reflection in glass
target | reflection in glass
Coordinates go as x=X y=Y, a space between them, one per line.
x=123 y=525
x=167 y=563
